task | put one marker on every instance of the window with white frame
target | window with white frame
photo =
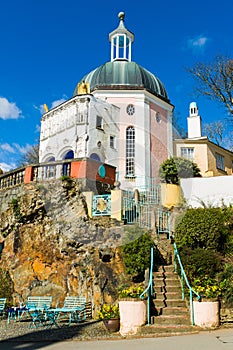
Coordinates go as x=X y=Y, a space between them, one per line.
x=130 y=151
x=99 y=122
x=220 y=164
x=187 y=152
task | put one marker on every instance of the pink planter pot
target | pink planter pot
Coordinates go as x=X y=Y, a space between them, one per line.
x=206 y=314
x=132 y=316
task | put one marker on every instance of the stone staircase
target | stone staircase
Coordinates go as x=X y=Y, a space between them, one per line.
x=169 y=312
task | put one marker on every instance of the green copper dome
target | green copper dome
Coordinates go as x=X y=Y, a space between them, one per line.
x=124 y=75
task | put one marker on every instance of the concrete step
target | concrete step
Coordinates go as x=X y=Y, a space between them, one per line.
x=168 y=330
x=175 y=303
x=162 y=301
x=166 y=282
x=167 y=296
x=171 y=320
x=164 y=273
x=173 y=295
x=174 y=311
x=167 y=289
x=172 y=289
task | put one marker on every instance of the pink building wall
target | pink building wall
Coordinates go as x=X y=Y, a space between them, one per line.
x=158 y=138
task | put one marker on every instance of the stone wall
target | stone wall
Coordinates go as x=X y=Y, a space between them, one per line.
x=51 y=247
x=226 y=315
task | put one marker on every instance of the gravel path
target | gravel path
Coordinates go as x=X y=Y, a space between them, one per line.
x=21 y=331
x=88 y=330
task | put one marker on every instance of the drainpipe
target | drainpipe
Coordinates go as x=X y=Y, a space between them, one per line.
x=86 y=124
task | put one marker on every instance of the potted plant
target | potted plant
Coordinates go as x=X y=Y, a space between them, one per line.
x=110 y=315
x=132 y=292
x=206 y=310
x=132 y=309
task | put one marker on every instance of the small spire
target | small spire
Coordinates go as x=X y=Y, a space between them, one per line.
x=121 y=16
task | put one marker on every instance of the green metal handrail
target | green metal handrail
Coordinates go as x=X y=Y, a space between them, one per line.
x=183 y=279
x=149 y=288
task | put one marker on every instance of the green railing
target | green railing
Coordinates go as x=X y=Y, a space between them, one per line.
x=184 y=280
x=149 y=288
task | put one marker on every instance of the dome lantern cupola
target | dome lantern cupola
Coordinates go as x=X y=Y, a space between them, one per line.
x=121 y=72
x=121 y=40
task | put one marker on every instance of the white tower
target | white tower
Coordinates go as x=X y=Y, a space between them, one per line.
x=194 y=122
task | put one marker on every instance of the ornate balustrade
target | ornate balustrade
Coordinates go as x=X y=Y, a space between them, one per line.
x=54 y=170
x=12 y=178
x=83 y=168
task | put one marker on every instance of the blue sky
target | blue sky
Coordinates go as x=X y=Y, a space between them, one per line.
x=47 y=46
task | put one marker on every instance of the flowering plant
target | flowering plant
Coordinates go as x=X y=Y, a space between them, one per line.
x=131 y=291
x=207 y=288
x=109 y=311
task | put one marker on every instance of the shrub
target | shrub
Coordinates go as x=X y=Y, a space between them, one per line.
x=205 y=240
x=171 y=170
x=200 y=262
x=16 y=209
x=203 y=228
x=226 y=283
x=136 y=255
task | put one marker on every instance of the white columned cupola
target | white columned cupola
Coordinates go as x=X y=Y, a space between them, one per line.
x=121 y=40
x=194 y=122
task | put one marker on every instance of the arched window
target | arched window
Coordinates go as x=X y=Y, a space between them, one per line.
x=69 y=155
x=95 y=157
x=130 y=151
x=66 y=166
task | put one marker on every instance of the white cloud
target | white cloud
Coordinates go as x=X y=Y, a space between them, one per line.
x=22 y=149
x=37 y=128
x=9 y=110
x=7 y=167
x=54 y=104
x=197 y=44
x=10 y=155
x=7 y=148
x=14 y=148
x=57 y=102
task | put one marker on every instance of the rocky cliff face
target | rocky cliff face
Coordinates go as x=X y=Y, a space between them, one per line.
x=51 y=247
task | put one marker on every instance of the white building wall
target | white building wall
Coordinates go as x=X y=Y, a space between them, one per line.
x=72 y=126
x=99 y=139
x=212 y=191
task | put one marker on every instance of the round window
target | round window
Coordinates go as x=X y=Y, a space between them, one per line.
x=130 y=109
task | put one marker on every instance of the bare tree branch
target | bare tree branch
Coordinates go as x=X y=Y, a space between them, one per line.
x=215 y=80
x=31 y=157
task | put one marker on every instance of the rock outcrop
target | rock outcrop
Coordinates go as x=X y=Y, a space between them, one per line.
x=52 y=247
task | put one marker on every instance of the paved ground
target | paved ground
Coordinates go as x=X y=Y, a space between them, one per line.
x=221 y=339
